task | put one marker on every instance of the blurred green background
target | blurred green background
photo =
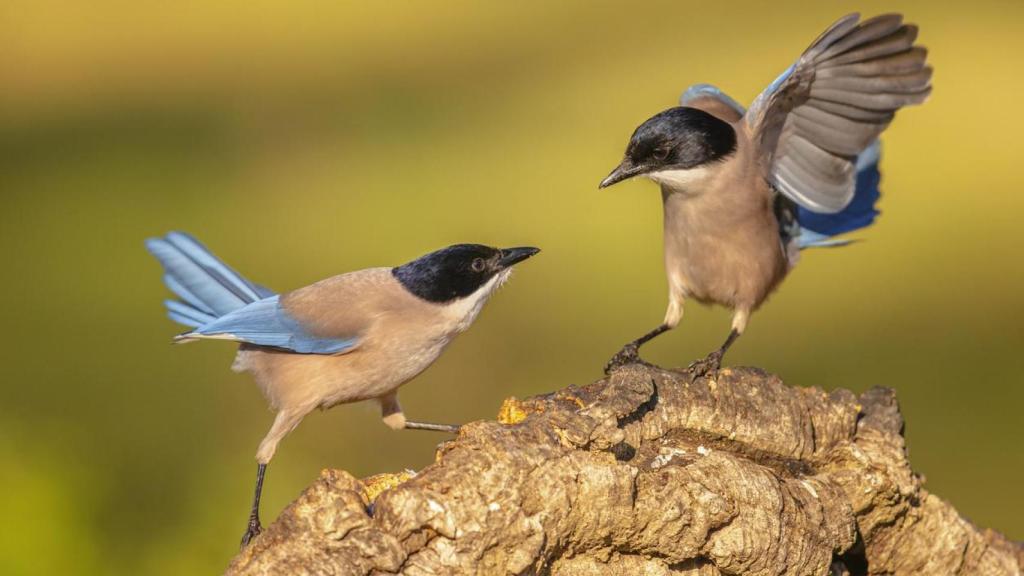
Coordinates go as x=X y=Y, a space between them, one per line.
x=304 y=142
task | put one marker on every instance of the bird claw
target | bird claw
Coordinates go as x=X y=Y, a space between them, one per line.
x=254 y=530
x=630 y=354
x=707 y=365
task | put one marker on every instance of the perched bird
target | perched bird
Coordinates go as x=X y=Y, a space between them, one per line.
x=356 y=336
x=745 y=191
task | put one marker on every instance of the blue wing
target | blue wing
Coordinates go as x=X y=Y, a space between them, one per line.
x=817 y=229
x=266 y=323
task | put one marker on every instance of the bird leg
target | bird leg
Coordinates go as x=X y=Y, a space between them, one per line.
x=285 y=421
x=450 y=428
x=254 y=527
x=713 y=361
x=391 y=412
x=630 y=353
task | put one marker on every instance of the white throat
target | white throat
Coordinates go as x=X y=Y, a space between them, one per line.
x=691 y=180
x=465 y=310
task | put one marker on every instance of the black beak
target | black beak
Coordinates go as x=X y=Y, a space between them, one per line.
x=623 y=171
x=511 y=256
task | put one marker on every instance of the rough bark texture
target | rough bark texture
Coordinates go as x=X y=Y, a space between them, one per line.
x=646 y=472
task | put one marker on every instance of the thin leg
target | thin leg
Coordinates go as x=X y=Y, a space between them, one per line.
x=284 y=422
x=630 y=353
x=254 y=527
x=391 y=413
x=450 y=428
x=712 y=362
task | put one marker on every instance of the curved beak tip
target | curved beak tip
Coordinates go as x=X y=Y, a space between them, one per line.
x=621 y=172
x=510 y=256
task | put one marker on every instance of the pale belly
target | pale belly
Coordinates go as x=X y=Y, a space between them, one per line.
x=735 y=267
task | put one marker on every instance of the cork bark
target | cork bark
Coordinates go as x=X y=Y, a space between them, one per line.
x=646 y=472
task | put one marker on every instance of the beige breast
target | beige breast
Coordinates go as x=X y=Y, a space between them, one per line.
x=721 y=236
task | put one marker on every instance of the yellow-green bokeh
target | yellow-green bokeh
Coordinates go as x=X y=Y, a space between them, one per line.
x=305 y=141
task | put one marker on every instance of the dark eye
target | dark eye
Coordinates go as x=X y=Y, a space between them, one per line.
x=478 y=265
x=661 y=153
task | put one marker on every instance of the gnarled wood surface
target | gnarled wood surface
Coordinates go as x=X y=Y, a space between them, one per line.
x=647 y=472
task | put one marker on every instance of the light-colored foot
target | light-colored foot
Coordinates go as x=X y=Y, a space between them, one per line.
x=395 y=421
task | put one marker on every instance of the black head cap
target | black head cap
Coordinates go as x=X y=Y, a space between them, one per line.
x=457 y=271
x=679 y=138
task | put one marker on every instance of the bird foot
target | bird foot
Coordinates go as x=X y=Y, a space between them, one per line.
x=707 y=365
x=252 y=531
x=630 y=354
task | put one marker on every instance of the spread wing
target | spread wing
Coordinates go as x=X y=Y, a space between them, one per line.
x=267 y=323
x=814 y=120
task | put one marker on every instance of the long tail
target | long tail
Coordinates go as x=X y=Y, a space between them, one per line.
x=208 y=287
x=817 y=230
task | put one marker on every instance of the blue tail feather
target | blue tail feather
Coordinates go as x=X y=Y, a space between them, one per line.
x=214 y=268
x=186 y=314
x=818 y=229
x=191 y=299
x=208 y=287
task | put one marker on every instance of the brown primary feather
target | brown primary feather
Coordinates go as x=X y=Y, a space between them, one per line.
x=899 y=41
x=868 y=31
x=875 y=101
x=912 y=82
x=851 y=112
x=906 y=62
x=832 y=34
x=839 y=96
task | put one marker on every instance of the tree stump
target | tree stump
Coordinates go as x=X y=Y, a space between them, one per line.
x=646 y=472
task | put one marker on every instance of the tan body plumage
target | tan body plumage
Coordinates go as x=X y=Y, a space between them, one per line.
x=400 y=335
x=721 y=236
